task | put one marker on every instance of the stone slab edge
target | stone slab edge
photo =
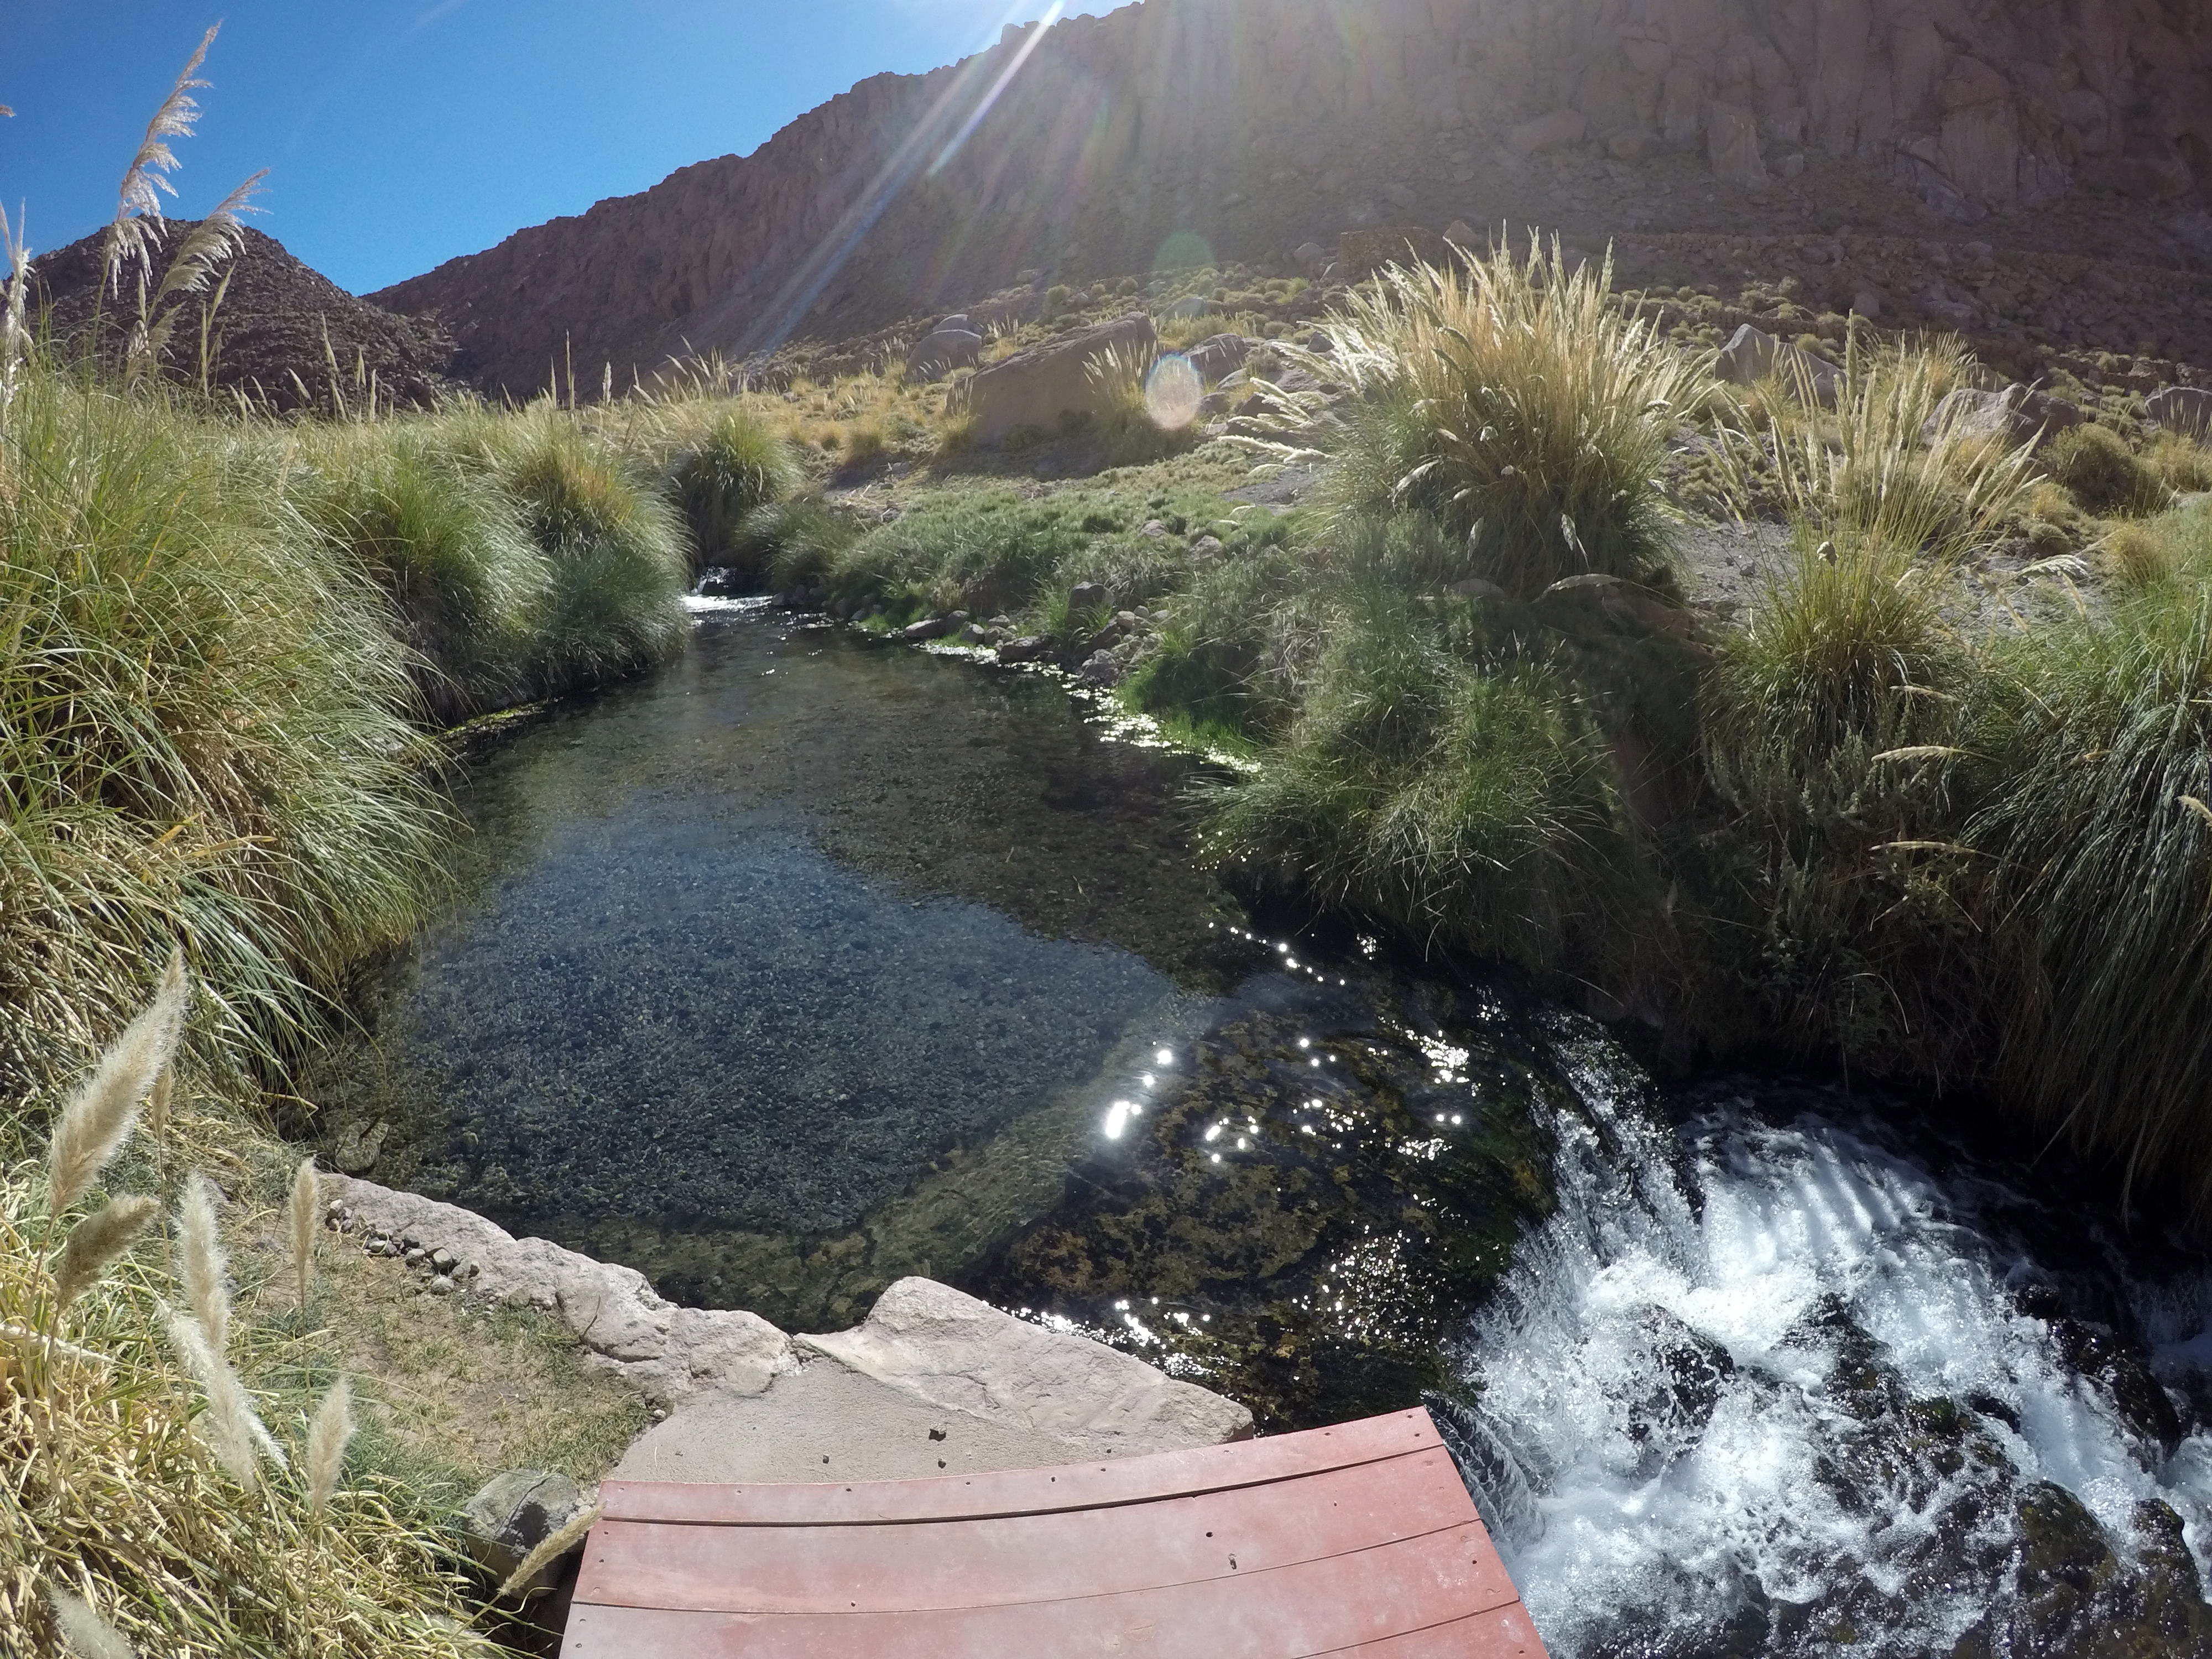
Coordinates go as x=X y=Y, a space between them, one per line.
x=924 y=1340
x=667 y=1351
x=955 y=1352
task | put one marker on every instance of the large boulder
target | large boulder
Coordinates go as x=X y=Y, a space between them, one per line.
x=1561 y=126
x=2018 y=414
x=942 y=351
x=1047 y=384
x=1219 y=356
x=1752 y=355
x=2183 y=408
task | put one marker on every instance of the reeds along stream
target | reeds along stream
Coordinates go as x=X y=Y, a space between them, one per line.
x=814 y=963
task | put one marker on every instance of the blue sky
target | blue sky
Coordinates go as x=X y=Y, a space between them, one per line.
x=399 y=134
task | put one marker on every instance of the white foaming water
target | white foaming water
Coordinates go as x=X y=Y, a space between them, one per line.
x=1652 y=1515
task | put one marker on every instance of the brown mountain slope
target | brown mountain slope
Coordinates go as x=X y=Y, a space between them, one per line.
x=2073 y=126
x=274 y=319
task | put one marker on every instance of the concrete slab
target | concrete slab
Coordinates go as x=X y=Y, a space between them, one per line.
x=825 y=1421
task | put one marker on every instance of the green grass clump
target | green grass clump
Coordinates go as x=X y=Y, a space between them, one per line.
x=206 y=728
x=2096 y=760
x=734 y=467
x=2108 y=478
x=1466 y=803
x=615 y=552
x=1515 y=406
x=469 y=586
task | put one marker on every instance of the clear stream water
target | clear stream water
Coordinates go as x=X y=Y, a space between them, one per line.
x=812 y=963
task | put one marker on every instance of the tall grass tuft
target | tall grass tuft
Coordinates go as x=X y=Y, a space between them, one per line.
x=302 y=1207
x=204 y=730
x=202 y=1264
x=1883 y=472
x=327 y=1438
x=733 y=468
x=101 y=1112
x=1516 y=405
x=2096 y=744
x=616 y=550
x=84 y=1633
x=2103 y=474
x=468 y=585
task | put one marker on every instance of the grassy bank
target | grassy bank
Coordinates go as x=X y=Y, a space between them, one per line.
x=229 y=647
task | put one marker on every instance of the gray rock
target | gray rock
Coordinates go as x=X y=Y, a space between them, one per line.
x=1031 y=648
x=1219 y=355
x=950 y=1349
x=1478 y=588
x=665 y=1351
x=513 y=1513
x=1040 y=387
x=957 y=323
x=1206 y=547
x=929 y=627
x=1183 y=310
x=2183 y=409
x=939 y=354
x=358 y=1146
x=1868 y=303
x=2016 y=416
x=1752 y=355
x=1101 y=670
x=974 y=633
x=1311 y=254
x=1085 y=596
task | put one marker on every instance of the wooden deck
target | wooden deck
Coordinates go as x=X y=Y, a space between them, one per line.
x=1358 y=1539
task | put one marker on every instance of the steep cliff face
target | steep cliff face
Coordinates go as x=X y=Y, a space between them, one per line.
x=1252 y=125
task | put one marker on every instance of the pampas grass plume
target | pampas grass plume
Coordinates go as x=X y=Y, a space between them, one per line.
x=98 y=1116
x=202 y=1264
x=84 y=1632
x=98 y=1240
x=327 y=1444
x=232 y=1429
x=157 y=1102
x=551 y=1548
x=300 y=1217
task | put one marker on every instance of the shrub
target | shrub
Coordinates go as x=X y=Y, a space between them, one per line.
x=799 y=540
x=441 y=540
x=2096 y=463
x=1515 y=405
x=2181 y=463
x=734 y=467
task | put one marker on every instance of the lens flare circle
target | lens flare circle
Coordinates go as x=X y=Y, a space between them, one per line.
x=1173 y=392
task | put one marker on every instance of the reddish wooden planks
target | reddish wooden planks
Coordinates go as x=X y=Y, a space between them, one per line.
x=1356 y=1539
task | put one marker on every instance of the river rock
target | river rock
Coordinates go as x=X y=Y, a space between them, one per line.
x=513 y=1513
x=940 y=353
x=1088 y=596
x=1031 y=648
x=929 y=627
x=2183 y=409
x=1041 y=386
x=668 y=1352
x=938 y=1344
x=1752 y=355
x=1101 y=670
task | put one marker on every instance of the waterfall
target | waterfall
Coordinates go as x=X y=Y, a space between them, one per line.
x=1766 y=1382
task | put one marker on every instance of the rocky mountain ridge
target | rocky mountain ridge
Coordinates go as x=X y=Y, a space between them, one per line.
x=1190 y=130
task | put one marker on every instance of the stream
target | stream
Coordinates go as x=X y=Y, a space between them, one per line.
x=813 y=962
